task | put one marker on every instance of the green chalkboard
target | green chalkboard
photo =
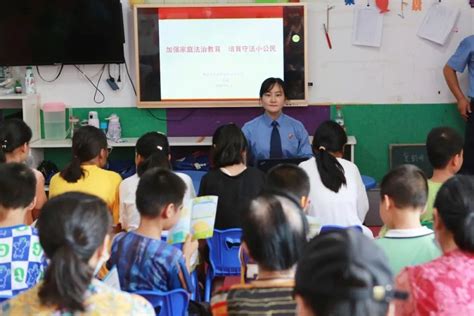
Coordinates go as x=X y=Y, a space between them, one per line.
x=414 y=154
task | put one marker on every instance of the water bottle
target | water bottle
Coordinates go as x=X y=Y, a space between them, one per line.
x=339 y=119
x=114 y=131
x=30 y=85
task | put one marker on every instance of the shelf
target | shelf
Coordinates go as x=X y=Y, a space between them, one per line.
x=128 y=142
x=14 y=96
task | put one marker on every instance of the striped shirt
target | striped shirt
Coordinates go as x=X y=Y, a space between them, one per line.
x=254 y=299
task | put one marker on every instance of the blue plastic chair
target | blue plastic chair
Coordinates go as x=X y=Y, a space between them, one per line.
x=369 y=182
x=172 y=303
x=328 y=228
x=224 y=260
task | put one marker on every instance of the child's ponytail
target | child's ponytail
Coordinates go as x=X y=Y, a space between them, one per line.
x=330 y=170
x=87 y=143
x=66 y=280
x=330 y=138
x=72 y=227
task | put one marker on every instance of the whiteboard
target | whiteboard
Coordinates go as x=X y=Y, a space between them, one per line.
x=405 y=69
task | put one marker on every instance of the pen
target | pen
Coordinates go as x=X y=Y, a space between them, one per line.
x=327 y=36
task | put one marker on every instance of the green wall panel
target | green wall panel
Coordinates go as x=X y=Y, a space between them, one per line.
x=377 y=126
x=135 y=122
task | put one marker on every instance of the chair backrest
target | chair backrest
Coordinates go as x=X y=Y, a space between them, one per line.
x=327 y=228
x=224 y=249
x=172 y=303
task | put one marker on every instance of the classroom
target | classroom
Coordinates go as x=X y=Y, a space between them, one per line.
x=178 y=74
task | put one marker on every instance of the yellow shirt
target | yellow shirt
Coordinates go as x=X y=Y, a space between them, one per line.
x=100 y=300
x=96 y=181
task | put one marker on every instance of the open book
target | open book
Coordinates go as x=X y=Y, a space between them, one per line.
x=197 y=218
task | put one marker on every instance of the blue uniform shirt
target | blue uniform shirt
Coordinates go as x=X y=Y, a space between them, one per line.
x=294 y=137
x=464 y=56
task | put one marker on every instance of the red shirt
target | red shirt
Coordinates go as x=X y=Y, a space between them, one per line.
x=444 y=286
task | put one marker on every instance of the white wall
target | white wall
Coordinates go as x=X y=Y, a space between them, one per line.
x=406 y=69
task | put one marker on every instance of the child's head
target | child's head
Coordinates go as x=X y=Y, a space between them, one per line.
x=342 y=272
x=444 y=147
x=229 y=146
x=14 y=138
x=73 y=230
x=88 y=143
x=289 y=178
x=17 y=186
x=152 y=150
x=159 y=196
x=274 y=230
x=403 y=188
x=454 y=211
x=273 y=95
x=328 y=143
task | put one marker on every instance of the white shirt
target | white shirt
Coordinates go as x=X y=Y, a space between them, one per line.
x=129 y=217
x=347 y=207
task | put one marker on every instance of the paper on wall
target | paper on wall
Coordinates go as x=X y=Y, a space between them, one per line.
x=367 y=27
x=438 y=23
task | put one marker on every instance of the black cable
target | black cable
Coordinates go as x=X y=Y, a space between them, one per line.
x=55 y=78
x=119 y=79
x=130 y=78
x=171 y=120
x=94 y=85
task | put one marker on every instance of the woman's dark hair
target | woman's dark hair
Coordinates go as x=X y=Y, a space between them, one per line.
x=228 y=145
x=154 y=148
x=329 y=138
x=13 y=134
x=72 y=226
x=275 y=229
x=455 y=205
x=269 y=83
x=87 y=143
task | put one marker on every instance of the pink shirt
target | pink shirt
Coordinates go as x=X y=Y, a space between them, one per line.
x=444 y=286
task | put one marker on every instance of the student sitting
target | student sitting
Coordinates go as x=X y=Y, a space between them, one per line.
x=274 y=235
x=445 y=286
x=152 y=150
x=342 y=273
x=22 y=259
x=73 y=231
x=85 y=174
x=444 y=146
x=291 y=179
x=275 y=134
x=15 y=136
x=337 y=195
x=143 y=260
x=403 y=193
x=231 y=180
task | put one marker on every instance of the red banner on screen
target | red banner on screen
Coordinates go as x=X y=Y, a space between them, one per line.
x=221 y=12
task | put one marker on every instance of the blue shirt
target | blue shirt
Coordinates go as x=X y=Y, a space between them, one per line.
x=147 y=264
x=294 y=137
x=22 y=260
x=463 y=56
